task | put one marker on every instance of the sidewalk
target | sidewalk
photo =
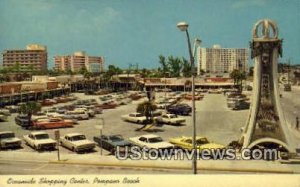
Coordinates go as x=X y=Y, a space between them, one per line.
x=112 y=161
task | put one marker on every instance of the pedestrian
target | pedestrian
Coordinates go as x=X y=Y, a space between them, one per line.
x=297 y=123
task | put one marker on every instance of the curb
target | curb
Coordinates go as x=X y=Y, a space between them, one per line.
x=148 y=166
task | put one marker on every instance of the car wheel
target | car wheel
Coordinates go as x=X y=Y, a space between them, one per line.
x=169 y=123
x=138 y=122
x=73 y=149
x=113 y=150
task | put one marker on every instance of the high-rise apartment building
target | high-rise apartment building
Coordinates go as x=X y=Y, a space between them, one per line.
x=222 y=60
x=33 y=58
x=79 y=60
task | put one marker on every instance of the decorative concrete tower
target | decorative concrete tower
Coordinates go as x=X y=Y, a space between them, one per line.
x=266 y=126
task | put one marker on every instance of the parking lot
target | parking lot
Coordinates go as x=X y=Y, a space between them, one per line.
x=214 y=121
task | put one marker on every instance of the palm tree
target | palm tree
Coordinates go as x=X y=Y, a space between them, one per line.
x=175 y=65
x=186 y=68
x=164 y=65
x=146 y=108
x=238 y=77
x=30 y=108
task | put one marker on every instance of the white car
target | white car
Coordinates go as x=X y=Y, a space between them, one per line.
x=77 y=142
x=77 y=114
x=151 y=141
x=5 y=112
x=39 y=140
x=38 y=115
x=134 y=117
x=90 y=112
x=53 y=113
x=170 y=119
x=8 y=140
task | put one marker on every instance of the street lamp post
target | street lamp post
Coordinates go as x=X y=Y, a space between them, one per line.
x=100 y=127
x=182 y=26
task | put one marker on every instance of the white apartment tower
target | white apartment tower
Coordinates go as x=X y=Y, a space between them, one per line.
x=222 y=60
x=78 y=61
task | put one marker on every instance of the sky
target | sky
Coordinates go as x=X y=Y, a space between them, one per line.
x=138 y=31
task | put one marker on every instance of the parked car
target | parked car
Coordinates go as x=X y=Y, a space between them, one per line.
x=48 y=102
x=76 y=114
x=12 y=108
x=23 y=120
x=77 y=142
x=162 y=104
x=51 y=123
x=201 y=143
x=197 y=97
x=287 y=87
x=110 y=142
x=3 y=118
x=38 y=115
x=107 y=105
x=53 y=113
x=151 y=141
x=5 y=112
x=61 y=110
x=180 y=109
x=8 y=140
x=171 y=119
x=241 y=105
x=90 y=112
x=215 y=91
x=40 y=141
x=134 y=117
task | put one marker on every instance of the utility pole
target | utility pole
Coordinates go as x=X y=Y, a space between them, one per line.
x=289 y=64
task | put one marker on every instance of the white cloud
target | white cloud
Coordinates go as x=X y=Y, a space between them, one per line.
x=248 y=3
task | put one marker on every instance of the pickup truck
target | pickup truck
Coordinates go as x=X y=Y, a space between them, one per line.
x=8 y=140
x=40 y=141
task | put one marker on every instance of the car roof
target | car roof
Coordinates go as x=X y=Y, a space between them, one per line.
x=135 y=113
x=149 y=136
x=190 y=137
x=38 y=132
x=5 y=132
x=73 y=134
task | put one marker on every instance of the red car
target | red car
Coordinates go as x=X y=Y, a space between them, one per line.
x=51 y=123
x=48 y=102
x=108 y=105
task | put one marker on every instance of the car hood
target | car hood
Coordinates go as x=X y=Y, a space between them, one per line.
x=10 y=140
x=121 y=143
x=211 y=146
x=160 y=145
x=45 y=141
x=177 y=119
x=82 y=142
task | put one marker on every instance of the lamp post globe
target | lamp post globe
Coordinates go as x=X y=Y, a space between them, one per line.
x=182 y=26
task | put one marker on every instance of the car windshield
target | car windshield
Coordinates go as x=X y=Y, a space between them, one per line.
x=7 y=135
x=201 y=141
x=116 y=138
x=78 y=137
x=41 y=136
x=173 y=116
x=155 y=140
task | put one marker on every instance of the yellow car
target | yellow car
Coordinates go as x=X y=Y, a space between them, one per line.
x=201 y=143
